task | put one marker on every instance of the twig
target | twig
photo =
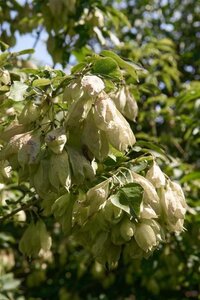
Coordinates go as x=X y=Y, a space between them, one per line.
x=23 y=207
x=38 y=33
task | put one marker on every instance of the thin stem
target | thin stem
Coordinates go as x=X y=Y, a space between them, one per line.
x=23 y=207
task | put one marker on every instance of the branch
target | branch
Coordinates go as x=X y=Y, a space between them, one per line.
x=22 y=207
x=38 y=33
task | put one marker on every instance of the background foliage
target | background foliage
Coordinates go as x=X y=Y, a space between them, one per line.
x=162 y=36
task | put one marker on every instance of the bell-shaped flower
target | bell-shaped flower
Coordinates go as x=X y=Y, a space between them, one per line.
x=30 y=113
x=148 y=234
x=109 y=119
x=97 y=195
x=173 y=205
x=92 y=85
x=156 y=176
x=73 y=92
x=56 y=140
x=95 y=139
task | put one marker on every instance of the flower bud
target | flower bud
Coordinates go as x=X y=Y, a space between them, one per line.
x=56 y=140
x=92 y=85
x=156 y=176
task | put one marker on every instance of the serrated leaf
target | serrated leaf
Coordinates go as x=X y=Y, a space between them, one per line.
x=17 y=91
x=41 y=82
x=129 y=198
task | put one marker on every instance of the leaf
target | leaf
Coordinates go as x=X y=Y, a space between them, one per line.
x=128 y=66
x=128 y=198
x=190 y=177
x=3 y=46
x=4 y=58
x=26 y=51
x=107 y=66
x=41 y=82
x=17 y=91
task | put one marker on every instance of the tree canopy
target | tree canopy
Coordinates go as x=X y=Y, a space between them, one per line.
x=92 y=162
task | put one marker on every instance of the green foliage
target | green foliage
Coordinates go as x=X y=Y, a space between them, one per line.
x=85 y=183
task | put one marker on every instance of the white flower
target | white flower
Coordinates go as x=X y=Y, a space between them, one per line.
x=148 y=234
x=109 y=119
x=173 y=206
x=56 y=140
x=125 y=103
x=92 y=84
x=156 y=176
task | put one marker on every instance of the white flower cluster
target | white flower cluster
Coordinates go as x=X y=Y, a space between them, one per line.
x=103 y=221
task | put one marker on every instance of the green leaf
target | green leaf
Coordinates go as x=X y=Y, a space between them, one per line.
x=41 y=82
x=107 y=66
x=128 y=66
x=3 y=46
x=129 y=198
x=190 y=177
x=17 y=91
x=26 y=51
x=4 y=58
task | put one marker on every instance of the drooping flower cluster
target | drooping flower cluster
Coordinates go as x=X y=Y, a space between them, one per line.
x=111 y=221
x=58 y=153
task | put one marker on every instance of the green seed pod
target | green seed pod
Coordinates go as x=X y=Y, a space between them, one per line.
x=59 y=171
x=30 y=113
x=62 y=210
x=30 y=244
x=132 y=250
x=127 y=229
x=40 y=179
x=116 y=237
x=45 y=239
x=56 y=140
x=112 y=213
x=81 y=167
